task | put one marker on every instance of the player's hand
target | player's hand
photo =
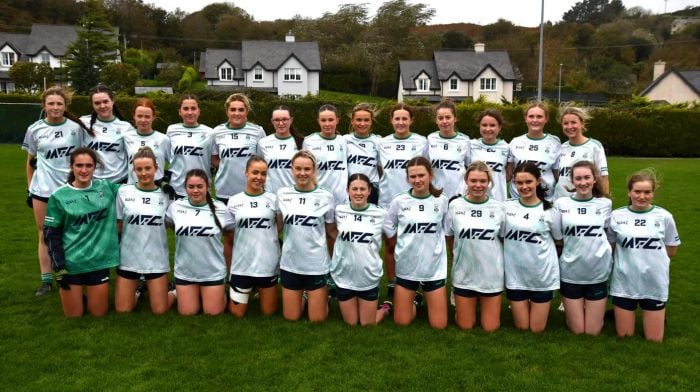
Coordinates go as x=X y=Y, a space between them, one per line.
x=59 y=276
x=30 y=203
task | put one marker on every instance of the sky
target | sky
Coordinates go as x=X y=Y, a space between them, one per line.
x=520 y=12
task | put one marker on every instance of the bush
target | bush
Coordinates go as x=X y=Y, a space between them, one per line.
x=120 y=77
x=664 y=131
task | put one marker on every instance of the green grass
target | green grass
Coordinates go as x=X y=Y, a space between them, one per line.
x=41 y=350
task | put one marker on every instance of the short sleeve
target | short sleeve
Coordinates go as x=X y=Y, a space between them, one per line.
x=447 y=223
x=120 y=207
x=391 y=220
x=165 y=147
x=169 y=215
x=556 y=222
x=671 y=237
x=602 y=162
x=229 y=216
x=29 y=143
x=330 y=214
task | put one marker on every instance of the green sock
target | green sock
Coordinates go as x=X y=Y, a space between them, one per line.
x=47 y=277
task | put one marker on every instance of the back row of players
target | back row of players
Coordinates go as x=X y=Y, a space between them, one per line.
x=190 y=145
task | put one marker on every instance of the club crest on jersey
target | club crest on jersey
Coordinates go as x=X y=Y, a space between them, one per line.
x=317 y=202
x=492 y=214
x=436 y=208
x=597 y=211
x=541 y=218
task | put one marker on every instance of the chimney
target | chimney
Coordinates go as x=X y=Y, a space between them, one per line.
x=659 y=69
x=289 y=37
x=479 y=47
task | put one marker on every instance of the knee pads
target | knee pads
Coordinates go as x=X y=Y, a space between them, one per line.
x=239 y=295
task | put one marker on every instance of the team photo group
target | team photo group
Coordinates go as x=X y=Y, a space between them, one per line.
x=332 y=215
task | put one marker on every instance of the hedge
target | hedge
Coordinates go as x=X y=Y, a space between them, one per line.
x=642 y=132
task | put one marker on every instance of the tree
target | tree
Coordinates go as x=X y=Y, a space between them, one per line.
x=120 y=77
x=595 y=12
x=29 y=77
x=456 y=40
x=95 y=47
x=142 y=60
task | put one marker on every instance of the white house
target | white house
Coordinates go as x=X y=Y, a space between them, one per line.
x=673 y=86
x=286 y=68
x=46 y=44
x=458 y=75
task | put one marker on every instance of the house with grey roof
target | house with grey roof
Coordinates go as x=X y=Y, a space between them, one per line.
x=673 y=86
x=285 y=68
x=458 y=75
x=46 y=44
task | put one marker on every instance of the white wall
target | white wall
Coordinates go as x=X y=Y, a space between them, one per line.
x=267 y=82
x=293 y=87
x=673 y=90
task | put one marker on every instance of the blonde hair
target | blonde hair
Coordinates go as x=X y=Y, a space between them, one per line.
x=238 y=97
x=308 y=155
x=581 y=113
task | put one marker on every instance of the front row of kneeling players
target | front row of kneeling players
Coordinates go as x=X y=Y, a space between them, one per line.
x=497 y=246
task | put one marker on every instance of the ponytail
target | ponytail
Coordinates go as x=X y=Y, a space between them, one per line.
x=101 y=88
x=212 y=208
x=298 y=137
x=210 y=202
x=541 y=190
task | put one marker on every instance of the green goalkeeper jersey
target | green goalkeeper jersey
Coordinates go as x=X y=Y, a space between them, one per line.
x=89 y=222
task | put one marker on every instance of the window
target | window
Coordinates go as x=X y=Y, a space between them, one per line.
x=226 y=73
x=423 y=84
x=488 y=84
x=258 y=74
x=45 y=58
x=292 y=74
x=8 y=59
x=454 y=84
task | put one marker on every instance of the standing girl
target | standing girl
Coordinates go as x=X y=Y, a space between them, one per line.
x=191 y=144
x=530 y=256
x=48 y=143
x=537 y=147
x=417 y=218
x=143 y=249
x=356 y=267
x=235 y=142
x=363 y=147
x=306 y=213
x=448 y=151
x=581 y=223
x=492 y=151
x=80 y=231
x=145 y=136
x=256 y=249
x=395 y=151
x=477 y=270
x=200 y=269
x=279 y=148
x=331 y=153
x=579 y=148
x=645 y=240
x=107 y=135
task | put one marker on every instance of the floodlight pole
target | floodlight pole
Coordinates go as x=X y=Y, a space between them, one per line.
x=559 y=93
x=541 y=61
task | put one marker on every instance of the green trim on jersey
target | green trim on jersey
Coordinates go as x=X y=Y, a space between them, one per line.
x=146 y=190
x=490 y=144
x=537 y=138
x=153 y=131
x=527 y=206
x=369 y=135
x=228 y=126
x=303 y=191
x=251 y=195
x=107 y=121
x=457 y=133
x=282 y=138
x=190 y=126
x=641 y=212
x=579 y=144
x=410 y=193
x=402 y=138
x=327 y=138
x=477 y=202
x=360 y=209
x=54 y=125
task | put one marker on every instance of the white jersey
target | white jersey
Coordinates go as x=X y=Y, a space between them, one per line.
x=543 y=152
x=256 y=247
x=356 y=264
x=419 y=224
x=528 y=248
x=52 y=146
x=199 y=253
x=394 y=154
x=158 y=142
x=332 y=160
x=234 y=146
x=641 y=268
x=591 y=150
x=582 y=224
x=144 y=242
x=190 y=148
x=478 y=251
x=363 y=155
x=278 y=154
x=109 y=145
x=305 y=215
x=496 y=157
x=449 y=158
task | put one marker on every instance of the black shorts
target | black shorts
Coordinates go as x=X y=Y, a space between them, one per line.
x=249 y=282
x=131 y=275
x=40 y=198
x=538 y=297
x=427 y=285
x=631 y=304
x=183 y=282
x=347 y=294
x=590 y=292
x=92 y=278
x=473 y=294
x=293 y=281
x=223 y=200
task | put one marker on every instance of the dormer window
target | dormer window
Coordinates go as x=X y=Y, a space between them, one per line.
x=8 y=59
x=226 y=73
x=454 y=84
x=423 y=84
x=258 y=74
